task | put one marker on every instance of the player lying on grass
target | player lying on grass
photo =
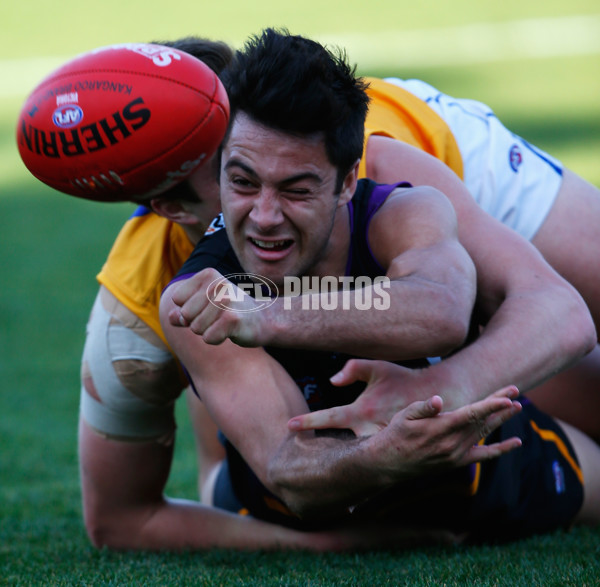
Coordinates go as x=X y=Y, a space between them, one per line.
x=293 y=208
x=130 y=378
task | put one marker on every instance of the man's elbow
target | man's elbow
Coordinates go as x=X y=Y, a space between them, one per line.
x=304 y=501
x=106 y=532
x=298 y=497
x=449 y=326
x=293 y=500
x=580 y=336
x=306 y=506
x=111 y=530
x=456 y=331
x=102 y=533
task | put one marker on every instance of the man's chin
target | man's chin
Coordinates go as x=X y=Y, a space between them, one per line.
x=275 y=271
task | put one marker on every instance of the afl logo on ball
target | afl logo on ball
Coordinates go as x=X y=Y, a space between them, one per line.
x=67 y=116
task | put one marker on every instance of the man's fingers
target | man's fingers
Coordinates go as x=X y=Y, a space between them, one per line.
x=183 y=289
x=354 y=370
x=483 y=452
x=483 y=409
x=192 y=298
x=495 y=420
x=203 y=319
x=509 y=391
x=187 y=309
x=191 y=294
x=337 y=417
x=175 y=318
x=340 y=417
x=424 y=409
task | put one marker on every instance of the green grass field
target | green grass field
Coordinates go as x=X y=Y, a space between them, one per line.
x=544 y=87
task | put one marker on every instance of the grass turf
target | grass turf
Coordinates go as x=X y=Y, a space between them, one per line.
x=51 y=249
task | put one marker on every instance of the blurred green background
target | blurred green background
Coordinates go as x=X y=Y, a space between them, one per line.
x=536 y=64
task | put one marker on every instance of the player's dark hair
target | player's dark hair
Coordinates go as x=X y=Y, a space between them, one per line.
x=217 y=55
x=297 y=86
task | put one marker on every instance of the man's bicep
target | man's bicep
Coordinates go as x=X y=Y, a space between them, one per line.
x=413 y=219
x=415 y=235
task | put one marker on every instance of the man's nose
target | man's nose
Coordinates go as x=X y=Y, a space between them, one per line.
x=266 y=212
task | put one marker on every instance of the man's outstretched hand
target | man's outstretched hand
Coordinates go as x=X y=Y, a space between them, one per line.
x=420 y=432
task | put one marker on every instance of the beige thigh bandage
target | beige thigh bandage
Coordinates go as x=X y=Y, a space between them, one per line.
x=130 y=380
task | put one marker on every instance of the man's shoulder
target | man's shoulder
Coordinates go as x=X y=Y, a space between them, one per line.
x=214 y=250
x=370 y=196
x=144 y=258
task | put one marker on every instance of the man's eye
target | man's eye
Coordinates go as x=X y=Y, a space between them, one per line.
x=241 y=182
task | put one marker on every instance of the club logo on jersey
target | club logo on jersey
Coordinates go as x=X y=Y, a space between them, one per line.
x=67 y=116
x=310 y=390
x=559 y=477
x=515 y=158
x=217 y=224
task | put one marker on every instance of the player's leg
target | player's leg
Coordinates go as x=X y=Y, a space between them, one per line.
x=588 y=454
x=574 y=395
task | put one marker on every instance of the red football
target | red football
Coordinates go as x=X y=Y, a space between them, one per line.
x=122 y=122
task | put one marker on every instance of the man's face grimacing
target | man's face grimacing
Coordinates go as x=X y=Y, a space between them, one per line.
x=278 y=200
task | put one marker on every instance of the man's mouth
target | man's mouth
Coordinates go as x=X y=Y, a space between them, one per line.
x=279 y=245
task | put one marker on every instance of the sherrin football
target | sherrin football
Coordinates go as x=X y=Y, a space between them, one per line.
x=122 y=122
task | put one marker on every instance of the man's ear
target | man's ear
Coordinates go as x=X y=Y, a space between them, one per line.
x=349 y=185
x=174 y=210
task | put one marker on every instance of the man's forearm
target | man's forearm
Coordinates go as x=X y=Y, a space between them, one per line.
x=523 y=357
x=407 y=319
x=186 y=525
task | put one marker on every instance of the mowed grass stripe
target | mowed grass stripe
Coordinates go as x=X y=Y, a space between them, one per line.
x=457 y=45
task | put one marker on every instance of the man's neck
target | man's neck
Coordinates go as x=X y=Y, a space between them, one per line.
x=335 y=259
